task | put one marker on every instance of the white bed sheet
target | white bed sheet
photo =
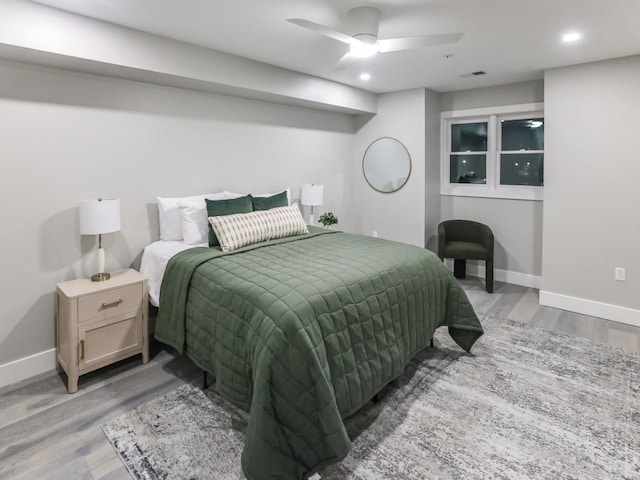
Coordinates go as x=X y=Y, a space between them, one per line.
x=155 y=257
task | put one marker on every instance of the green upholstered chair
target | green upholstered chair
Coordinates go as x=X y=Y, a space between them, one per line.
x=466 y=239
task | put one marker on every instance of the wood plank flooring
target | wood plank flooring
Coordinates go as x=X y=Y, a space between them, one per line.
x=45 y=433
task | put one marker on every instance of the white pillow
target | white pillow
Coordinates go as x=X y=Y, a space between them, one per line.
x=236 y=195
x=241 y=229
x=169 y=214
x=193 y=218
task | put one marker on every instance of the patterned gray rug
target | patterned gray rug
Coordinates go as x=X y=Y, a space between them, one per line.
x=527 y=404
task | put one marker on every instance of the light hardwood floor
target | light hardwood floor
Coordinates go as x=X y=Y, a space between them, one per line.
x=45 y=433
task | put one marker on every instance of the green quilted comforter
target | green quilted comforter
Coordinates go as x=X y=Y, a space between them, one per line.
x=302 y=332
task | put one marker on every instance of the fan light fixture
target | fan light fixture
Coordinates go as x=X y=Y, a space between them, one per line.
x=363 y=50
x=362 y=36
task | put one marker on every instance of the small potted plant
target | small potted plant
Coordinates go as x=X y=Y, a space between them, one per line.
x=328 y=219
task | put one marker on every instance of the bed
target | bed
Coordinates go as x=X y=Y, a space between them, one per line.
x=301 y=332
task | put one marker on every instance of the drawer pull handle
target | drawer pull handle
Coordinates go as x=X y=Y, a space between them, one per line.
x=112 y=304
x=81 y=349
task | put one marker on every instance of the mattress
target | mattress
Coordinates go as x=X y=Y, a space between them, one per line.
x=155 y=257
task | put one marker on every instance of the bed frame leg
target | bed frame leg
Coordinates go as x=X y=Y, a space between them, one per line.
x=205 y=385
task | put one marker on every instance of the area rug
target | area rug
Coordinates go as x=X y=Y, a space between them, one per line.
x=526 y=404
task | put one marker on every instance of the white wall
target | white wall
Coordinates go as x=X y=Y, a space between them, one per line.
x=592 y=198
x=67 y=137
x=399 y=215
x=516 y=224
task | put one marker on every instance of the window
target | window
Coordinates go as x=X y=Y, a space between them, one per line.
x=495 y=152
x=468 y=157
x=522 y=151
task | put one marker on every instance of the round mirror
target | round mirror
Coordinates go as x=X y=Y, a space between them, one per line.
x=386 y=165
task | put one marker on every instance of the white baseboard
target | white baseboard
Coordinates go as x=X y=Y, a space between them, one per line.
x=506 y=276
x=609 y=311
x=27 y=367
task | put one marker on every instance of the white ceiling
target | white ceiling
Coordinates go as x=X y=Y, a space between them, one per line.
x=511 y=40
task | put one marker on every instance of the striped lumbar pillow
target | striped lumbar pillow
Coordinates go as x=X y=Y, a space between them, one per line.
x=241 y=229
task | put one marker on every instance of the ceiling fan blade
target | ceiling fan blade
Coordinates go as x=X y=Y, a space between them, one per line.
x=409 y=43
x=346 y=61
x=321 y=29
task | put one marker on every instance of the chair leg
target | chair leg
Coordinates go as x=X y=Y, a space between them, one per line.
x=460 y=267
x=489 y=276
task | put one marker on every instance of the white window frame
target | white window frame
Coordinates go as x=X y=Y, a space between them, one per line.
x=493 y=116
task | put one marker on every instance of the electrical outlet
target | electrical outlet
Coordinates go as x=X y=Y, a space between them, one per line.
x=620 y=274
x=374 y=234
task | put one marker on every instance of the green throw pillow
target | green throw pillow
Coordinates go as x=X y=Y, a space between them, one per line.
x=218 y=208
x=266 y=203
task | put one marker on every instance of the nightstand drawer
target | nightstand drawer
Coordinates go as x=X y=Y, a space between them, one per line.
x=109 y=303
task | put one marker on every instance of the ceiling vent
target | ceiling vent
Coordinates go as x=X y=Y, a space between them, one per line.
x=473 y=74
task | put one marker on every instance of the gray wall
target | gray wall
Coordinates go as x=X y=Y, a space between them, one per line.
x=67 y=137
x=399 y=215
x=517 y=224
x=592 y=198
x=511 y=94
x=432 y=169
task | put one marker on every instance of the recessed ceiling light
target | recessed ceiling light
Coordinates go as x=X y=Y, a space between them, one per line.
x=365 y=76
x=571 y=37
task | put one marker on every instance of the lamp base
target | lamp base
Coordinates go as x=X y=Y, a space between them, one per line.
x=100 y=277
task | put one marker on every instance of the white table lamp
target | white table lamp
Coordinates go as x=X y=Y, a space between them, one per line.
x=312 y=197
x=98 y=217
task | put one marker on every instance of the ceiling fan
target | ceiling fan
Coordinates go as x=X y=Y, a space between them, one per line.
x=363 y=41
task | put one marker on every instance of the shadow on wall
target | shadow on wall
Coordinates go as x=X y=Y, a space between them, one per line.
x=135 y=263
x=432 y=243
x=500 y=257
x=40 y=317
x=362 y=120
x=60 y=242
x=153 y=222
x=502 y=260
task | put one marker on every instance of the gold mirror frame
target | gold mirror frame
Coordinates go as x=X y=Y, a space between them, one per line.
x=370 y=181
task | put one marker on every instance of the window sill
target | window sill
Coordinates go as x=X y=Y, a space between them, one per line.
x=507 y=193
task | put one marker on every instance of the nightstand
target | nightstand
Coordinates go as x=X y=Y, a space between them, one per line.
x=99 y=323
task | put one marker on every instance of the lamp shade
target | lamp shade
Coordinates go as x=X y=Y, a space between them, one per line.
x=311 y=195
x=99 y=216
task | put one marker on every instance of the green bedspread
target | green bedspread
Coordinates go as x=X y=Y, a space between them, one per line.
x=302 y=332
